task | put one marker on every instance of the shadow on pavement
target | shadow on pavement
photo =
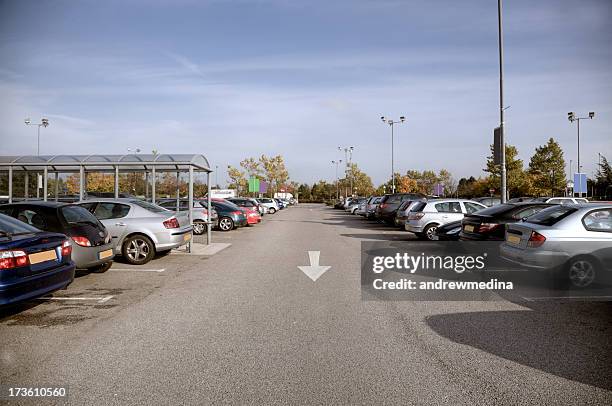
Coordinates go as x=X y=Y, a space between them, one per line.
x=569 y=340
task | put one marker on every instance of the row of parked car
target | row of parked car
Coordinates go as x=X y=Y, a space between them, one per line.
x=568 y=235
x=42 y=243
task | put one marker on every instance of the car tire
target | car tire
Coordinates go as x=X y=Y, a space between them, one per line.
x=226 y=224
x=102 y=268
x=138 y=249
x=581 y=272
x=271 y=210
x=199 y=227
x=430 y=231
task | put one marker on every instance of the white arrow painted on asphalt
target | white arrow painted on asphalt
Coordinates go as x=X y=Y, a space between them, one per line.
x=314 y=270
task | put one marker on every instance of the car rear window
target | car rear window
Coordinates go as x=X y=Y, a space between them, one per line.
x=418 y=206
x=13 y=226
x=149 y=206
x=78 y=214
x=551 y=215
x=496 y=210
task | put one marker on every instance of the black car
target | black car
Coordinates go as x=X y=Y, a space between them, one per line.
x=92 y=247
x=488 y=201
x=490 y=223
x=390 y=203
x=33 y=263
x=230 y=215
x=448 y=232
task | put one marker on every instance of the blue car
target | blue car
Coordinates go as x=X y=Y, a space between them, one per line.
x=33 y=263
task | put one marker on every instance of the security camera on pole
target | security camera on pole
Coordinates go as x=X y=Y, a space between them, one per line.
x=391 y=123
x=579 y=177
x=348 y=158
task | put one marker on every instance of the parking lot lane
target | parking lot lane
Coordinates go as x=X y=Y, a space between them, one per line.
x=247 y=326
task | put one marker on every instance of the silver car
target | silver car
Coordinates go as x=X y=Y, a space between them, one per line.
x=425 y=217
x=199 y=213
x=573 y=239
x=140 y=229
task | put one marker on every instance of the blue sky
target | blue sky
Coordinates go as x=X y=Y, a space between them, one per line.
x=233 y=79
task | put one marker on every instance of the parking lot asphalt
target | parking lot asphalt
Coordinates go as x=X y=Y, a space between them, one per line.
x=247 y=326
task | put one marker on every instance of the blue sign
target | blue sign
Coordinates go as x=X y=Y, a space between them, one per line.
x=580 y=183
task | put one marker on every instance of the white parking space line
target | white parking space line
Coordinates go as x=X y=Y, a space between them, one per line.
x=137 y=270
x=533 y=299
x=99 y=299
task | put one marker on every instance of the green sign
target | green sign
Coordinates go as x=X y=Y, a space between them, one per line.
x=254 y=185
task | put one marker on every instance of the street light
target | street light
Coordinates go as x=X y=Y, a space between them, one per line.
x=338 y=162
x=571 y=116
x=391 y=123
x=348 y=158
x=44 y=122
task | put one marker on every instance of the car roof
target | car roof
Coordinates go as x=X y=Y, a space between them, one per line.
x=41 y=203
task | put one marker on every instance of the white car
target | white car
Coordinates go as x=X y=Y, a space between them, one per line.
x=425 y=217
x=269 y=204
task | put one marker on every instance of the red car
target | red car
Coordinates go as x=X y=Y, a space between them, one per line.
x=250 y=209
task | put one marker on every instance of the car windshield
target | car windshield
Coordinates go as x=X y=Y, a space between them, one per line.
x=551 y=215
x=150 y=206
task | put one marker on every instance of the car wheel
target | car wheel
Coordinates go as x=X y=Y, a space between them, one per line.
x=430 y=232
x=199 y=227
x=102 y=268
x=581 y=272
x=138 y=249
x=271 y=210
x=226 y=224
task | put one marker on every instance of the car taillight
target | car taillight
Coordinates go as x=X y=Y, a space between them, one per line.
x=66 y=248
x=416 y=216
x=383 y=205
x=82 y=241
x=13 y=259
x=536 y=240
x=171 y=223
x=237 y=212
x=486 y=227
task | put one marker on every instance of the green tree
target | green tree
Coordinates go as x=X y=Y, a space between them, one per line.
x=603 y=179
x=517 y=183
x=547 y=169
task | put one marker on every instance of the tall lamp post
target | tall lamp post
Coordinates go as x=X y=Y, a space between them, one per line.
x=348 y=159
x=391 y=123
x=44 y=122
x=338 y=162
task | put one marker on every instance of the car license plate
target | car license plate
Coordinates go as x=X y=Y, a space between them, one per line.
x=105 y=254
x=468 y=228
x=187 y=237
x=513 y=239
x=44 y=256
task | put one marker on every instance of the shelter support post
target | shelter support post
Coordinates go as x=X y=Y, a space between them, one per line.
x=81 y=182
x=154 y=179
x=26 y=183
x=10 y=184
x=209 y=208
x=116 y=182
x=190 y=202
x=45 y=183
x=56 y=186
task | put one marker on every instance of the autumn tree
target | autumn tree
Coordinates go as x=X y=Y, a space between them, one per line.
x=238 y=180
x=274 y=172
